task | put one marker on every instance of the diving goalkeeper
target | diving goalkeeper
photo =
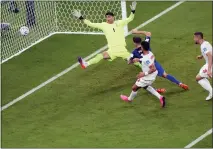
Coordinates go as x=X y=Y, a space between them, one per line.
x=114 y=33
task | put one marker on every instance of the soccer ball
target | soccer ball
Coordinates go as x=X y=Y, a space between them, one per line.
x=24 y=30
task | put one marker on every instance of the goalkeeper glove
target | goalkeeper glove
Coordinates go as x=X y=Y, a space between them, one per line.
x=77 y=14
x=133 y=6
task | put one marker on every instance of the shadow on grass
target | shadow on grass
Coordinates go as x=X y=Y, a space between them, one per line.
x=113 y=88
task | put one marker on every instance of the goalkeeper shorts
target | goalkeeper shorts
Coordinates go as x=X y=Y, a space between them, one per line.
x=116 y=52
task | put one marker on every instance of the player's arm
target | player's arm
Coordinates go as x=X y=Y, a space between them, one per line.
x=209 y=55
x=147 y=34
x=208 y=52
x=77 y=14
x=152 y=69
x=131 y=17
x=94 y=25
x=134 y=58
x=135 y=31
x=130 y=58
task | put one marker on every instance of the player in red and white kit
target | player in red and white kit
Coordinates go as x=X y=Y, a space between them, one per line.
x=146 y=77
x=206 y=70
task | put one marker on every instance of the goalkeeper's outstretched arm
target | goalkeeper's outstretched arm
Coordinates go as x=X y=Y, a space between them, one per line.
x=132 y=15
x=94 y=25
x=77 y=14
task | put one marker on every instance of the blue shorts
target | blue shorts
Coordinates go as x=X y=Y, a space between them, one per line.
x=159 y=68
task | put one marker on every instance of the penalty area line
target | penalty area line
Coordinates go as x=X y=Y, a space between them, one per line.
x=88 y=57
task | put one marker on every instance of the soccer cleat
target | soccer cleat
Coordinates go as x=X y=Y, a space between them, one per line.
x=209 y=97
x=162 y=101
x=161 y=90
x=82 y=63
x=125 y=98
x=184 y=86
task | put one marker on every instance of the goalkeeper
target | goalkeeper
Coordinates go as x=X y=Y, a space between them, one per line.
x=114 y=32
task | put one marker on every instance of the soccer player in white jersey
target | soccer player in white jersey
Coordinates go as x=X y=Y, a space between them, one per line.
x=146 y=77
x=206 y=71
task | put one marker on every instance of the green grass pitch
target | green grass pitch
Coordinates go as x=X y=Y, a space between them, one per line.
x=83 y=108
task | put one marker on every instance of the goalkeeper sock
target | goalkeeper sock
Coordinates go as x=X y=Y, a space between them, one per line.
x=137 y=64
x=132 y=95
x=95 y=60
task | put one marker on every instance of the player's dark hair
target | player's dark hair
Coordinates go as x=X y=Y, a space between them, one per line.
x=109 y=14
x=199 y=34
x=137 y=40
x=145 y=45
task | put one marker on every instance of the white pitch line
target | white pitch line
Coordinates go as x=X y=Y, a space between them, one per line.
x=199 y=138
x=88 y=57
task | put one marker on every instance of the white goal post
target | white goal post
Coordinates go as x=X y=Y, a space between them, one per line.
x=47 y=18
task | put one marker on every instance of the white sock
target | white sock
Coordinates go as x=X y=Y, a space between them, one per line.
x=205 y=84
x=153 y=92
x=132 y=95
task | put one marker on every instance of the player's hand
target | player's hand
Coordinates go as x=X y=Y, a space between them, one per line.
x=133 y=6
x=76 y=13
x=199 y=57
x=140 y=75
x=209 y=73
x=135 y=60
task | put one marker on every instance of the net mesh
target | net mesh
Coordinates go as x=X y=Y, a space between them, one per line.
x=43 y=18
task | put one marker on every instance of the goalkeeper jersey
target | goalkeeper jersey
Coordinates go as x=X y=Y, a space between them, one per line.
x=114 y=32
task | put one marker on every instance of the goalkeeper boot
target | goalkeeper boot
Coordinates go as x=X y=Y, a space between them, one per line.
x=125 y=98
x=82 y=62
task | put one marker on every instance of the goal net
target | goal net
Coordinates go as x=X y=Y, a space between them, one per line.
x=46 y=18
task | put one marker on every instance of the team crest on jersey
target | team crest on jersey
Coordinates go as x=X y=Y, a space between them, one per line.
x=147 y=62
x=204 y=49
x=205 y=70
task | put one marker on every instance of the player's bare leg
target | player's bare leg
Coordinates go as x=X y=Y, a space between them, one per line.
x=133 y=94
x=174 y=80
x=204 y=82
x=94 y=60
x=106 y=55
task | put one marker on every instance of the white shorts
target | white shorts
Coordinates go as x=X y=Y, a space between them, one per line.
x=203 y=71
x=143 y=83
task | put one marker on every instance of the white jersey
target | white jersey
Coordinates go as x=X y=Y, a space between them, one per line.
x=146 y=61
x=205 y=47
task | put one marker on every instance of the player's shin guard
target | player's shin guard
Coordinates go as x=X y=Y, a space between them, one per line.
x=132 y=95
x=96 y=59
